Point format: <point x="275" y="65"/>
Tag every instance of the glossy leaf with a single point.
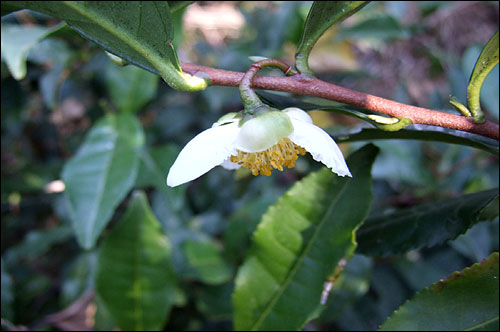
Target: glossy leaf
<point x="424" y="133"/>
<point x="424" y="225"/>
<point x="485" y="63"/>
<point x="101" y="173"/>
<point x="17" y="40"/>
<point x="134" y="277"/>
<point x="130" y="87"/>
<point x="297" y="245"/>
<point x="489" y="90"/>
<point x="464" y="301"/>
<point x="322" y="15"/>
<point x="138" y="31"/>
<point x="206" y="259"/>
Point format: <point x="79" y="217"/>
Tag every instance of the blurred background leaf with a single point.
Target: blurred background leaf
<point x="206" y="260"/>
<point x="16" y="43"/>
<point x="130" y="87"/>
<point x="321" y="17"/>
<point x="101" y="173"/>
<point x="142" y="35"/>
<point x="134" y="276"/>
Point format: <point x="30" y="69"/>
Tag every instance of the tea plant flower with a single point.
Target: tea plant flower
<point x="261" y="143"/>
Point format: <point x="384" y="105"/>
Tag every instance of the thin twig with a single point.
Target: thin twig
<point x="317" y="88"/>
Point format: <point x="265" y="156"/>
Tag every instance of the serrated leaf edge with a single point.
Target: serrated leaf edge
<point x="494" y="257"/>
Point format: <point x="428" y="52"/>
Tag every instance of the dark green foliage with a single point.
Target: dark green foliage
<point x="89" y="224"/>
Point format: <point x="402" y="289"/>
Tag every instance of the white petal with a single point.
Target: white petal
<point x="295" y="113"/>
<point x="228" y="164"/>
<point x="207" y="150"/>
<point x="320" y="145"/>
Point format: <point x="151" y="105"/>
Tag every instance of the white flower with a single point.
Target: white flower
<point x="263" y="143"/>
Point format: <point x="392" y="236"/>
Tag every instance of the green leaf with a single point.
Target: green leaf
<point x="322" y="15"/>
<point x="423" y="133"/>
<point x="490" y="212"/>
<point x="215" y="301"/>
<point x="155" y="165"/>
<point x="378" y="28"/>
<point x="37" y="243"/>
<point x="78" y="278"/>
<point x="489" y="91"/>
<point x="153" y="168"/>
<point x="101" y="173"/>
<point x="242" y="223"/>
<point x="138" y="31"/>
<point x="485" y="63"/>
<point x="297" y="245"/>
<point x="206" y="259"/>
<point x="17" y="40"/>
<point x="424" y="225"/>
<point x="134" y="277"/>
<point x="130" y="87"/>
<point x="464" y="301"/>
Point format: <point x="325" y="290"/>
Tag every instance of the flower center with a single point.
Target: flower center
<point x="284" y="153"/>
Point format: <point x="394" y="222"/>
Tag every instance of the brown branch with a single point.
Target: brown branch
<point x="317" y="88"/>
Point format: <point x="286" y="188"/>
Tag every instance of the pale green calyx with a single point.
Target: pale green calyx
<point x="263" y="131"/>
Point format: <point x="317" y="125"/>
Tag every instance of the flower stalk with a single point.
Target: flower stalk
<point x="250" y="99"/>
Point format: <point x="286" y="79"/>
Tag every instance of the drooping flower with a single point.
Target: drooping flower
<point x="272" y="140"/>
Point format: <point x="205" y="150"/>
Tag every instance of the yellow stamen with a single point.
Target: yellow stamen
<point x="284" y="153"/>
